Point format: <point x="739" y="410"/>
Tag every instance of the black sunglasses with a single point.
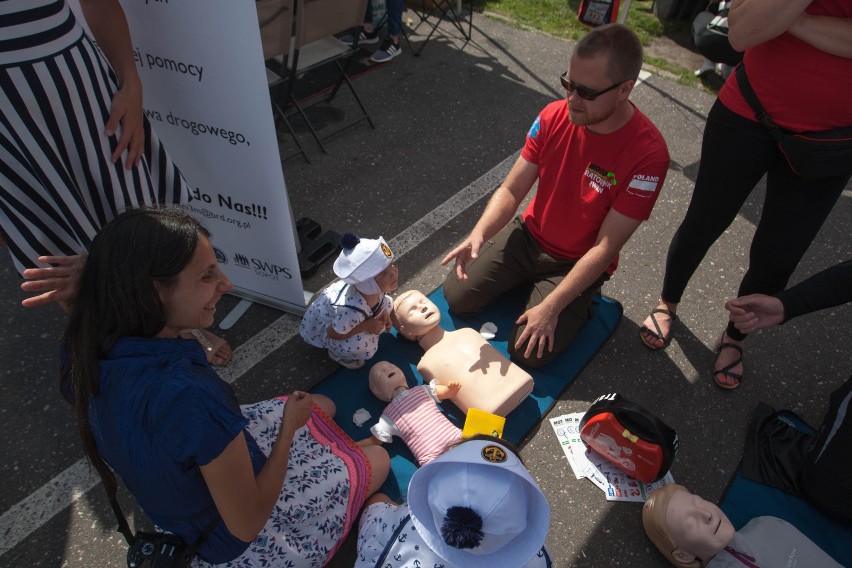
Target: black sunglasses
<point x="584" y="92"/>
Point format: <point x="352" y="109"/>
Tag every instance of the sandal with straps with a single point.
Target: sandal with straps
<point x="658" y="334"/>
<point x="726" y="370"/>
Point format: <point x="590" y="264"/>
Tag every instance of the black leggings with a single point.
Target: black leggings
<point x="735" y="154"/>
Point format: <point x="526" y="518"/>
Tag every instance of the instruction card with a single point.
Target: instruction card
<point x="587" y="463"/>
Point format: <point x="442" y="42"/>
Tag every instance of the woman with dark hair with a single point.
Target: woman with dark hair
<point x="284" y="481"/>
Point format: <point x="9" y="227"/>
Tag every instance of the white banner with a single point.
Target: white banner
<point x="206" y="95"/>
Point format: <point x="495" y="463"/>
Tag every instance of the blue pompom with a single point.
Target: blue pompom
<point x="349" y="241"/>
<point x="462" y="528"/>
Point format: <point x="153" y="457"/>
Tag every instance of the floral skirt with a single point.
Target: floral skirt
<point x="324" y="489"/>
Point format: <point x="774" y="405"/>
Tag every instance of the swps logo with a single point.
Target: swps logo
<point x="262" y="267"/>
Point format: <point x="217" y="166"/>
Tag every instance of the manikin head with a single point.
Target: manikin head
<point x="685" y="528"/>
<point x="386" y="380"/>
<point x="414" y="315"/>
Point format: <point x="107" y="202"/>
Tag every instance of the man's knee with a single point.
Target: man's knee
<point x="459" y="296"/>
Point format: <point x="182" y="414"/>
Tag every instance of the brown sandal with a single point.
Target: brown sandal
<point x="726" y="370"/>
<point x="658" y="334"/>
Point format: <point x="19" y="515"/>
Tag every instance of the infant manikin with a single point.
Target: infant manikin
<point x="412" y="414"/>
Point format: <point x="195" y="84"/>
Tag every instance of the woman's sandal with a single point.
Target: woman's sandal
<point x="726" y="370"/>
<point x="217" y="349"/>
<point x="658" y="334"/>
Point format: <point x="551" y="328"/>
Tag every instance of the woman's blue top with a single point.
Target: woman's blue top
<point x="160" y="414"/>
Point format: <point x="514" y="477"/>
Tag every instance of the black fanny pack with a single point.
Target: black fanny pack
<point x="812" y="155"/>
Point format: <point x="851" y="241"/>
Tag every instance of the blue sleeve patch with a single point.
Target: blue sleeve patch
<point x="535" y="127"/>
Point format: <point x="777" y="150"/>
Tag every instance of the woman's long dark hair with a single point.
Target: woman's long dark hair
<point x="117" y="298"/>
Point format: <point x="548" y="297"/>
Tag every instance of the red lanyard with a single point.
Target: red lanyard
<point x="742" y="557"/>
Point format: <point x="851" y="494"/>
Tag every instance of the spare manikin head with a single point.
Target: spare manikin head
<point x="414" y="314"/>
<point x="685" y="528"/>
<point x="386" y="379"/>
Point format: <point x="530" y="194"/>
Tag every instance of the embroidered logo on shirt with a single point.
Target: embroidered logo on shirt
<point x="534" y="128"/>
<point x="643" y="186"/>
<point x="599" y="178"/>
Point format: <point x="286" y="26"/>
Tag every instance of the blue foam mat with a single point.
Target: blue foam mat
<point x="745" y="499"/>
<point x="350" y="391"/>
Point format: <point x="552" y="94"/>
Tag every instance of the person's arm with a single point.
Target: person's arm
<point x="500" y="209"/>
<point x="826" y="289"/>
<point x="831" y="35"/>
<point x="541" y="320"/>
<point x="108" y="25"/>
<point x="374" y="325"/>
<point x="243" y="500"/>
<point x="59" y="283"/>
<point x="751" y="22"/>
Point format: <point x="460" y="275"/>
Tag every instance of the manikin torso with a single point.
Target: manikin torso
<point x="490" y="382"/>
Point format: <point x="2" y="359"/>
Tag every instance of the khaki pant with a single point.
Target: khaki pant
<point x="512" y="259"/>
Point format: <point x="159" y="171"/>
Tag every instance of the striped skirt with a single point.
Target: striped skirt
<point x="58" y="185"/>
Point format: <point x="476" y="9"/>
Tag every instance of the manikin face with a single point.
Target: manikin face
<point x="591" y="73"/>
<point x="416" y="313"/>
<point x="699" y="528"/>
<point x="191" y="303"/>
<point x="385" y="379"/>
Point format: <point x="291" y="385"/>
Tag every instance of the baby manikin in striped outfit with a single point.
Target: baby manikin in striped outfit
<point x="412" y="414"/>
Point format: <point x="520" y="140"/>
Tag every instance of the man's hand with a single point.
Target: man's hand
<point x="60" y="283"/>
<point x="463" y="254"/>
<point x="126" y="111"/>
<point x="540" y="327"/>
<point x="755" y="311"/>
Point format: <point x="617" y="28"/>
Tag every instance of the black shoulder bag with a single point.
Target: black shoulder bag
<point x="811" y="155"/>
<point x="154" y="550"/>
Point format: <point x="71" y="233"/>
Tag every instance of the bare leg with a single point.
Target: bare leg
<point x="379" y="465"/>
<point x="325" y="403"/>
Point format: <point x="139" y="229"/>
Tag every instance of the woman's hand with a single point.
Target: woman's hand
<point x="297" y="411"/>
<point x="59" y="283"/>
<point x="126" y="112"/>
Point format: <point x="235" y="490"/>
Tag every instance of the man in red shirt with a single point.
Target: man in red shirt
<point x="600" y="164"/>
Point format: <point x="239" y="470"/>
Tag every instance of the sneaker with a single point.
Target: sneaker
<point x="364" y="38"/>
<point x="348" y="363"/>
<point x="386" y="52"/>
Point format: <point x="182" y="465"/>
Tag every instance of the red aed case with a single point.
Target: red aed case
<point x="598" y="12"/>
<point x="628" y="436"/>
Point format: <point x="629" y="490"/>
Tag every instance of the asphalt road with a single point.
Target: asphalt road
<point x="448" y="125"/>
